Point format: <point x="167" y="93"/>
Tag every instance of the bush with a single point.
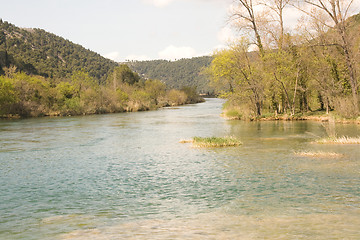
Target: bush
<point x="72" y="106"/>
<point x="176" y="97"/>
<point x="7" y="95"/>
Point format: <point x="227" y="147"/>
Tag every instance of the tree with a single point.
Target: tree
<point x="233" y="67"/>
<point x="155" y="88"/>
<point x="245" y="18"/>
<point x="337" y="12"/>
<point x="7" y="94"/>
<point x="277" y="7"/>
<point x="122" y="74"/>
<point x="82" y="81"/>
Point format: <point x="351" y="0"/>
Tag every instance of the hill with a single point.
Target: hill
<point x="35" y="51"/>
<point x="42" y="74"/>
<point x="176" y="74"/>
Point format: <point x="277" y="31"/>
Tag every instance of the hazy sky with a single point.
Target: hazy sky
<point x="130" y="29"/>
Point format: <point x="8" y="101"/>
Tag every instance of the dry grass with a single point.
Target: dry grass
<point x="339" y="140"/>
<point x="319" y="154"/>
<point x="210" y="142"/>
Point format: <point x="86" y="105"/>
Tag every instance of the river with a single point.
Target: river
<point x="126" y="176"/>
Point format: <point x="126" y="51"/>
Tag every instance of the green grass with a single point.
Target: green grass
<point x="339" y="140"/>
<point x="233" y="114"/>
<point x="209" y="142"/>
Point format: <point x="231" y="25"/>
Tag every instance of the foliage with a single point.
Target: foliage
<point x="122" y="74"/>
<point x="291" y="74"/>
<point x="7" y="94"/>
<point x="31" y="96"/>
<point x="176" y="97"/>
<point x="176" y="74"/>
<point x="44" y="75"/>
<point x="35" y="51"/>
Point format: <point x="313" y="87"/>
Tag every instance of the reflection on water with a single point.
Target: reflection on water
<point x="126" y="176"/>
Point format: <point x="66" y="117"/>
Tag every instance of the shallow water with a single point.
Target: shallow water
<point x="126" y="176"/>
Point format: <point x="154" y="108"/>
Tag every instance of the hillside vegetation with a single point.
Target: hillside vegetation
<point x="177" y="74"/>
<point x="42" y="74"/>
<point x="35" y="51"/>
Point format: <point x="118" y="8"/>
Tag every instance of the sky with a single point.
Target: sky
<point x="131" y="29"/>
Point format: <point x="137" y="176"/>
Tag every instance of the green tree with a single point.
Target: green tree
<point x="122" y="74"/>
<point x="244" y="77"/>
<point x="7" y="94"/>
<point x="155" y="88"/>
<point x="82" y="81"/>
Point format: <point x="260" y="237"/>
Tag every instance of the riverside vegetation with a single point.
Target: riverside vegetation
<point x="23" y="95"/>
<point x="42" y="74"/>
<point x="294" y="73"/>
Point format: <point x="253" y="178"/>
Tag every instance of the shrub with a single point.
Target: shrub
<point x="176" y="97"/>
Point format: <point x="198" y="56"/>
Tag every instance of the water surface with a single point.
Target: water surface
<point x="126" y="176"/>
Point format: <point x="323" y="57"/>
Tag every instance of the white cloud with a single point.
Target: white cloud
<point x="134" y="57"/>
<point x="226" y="35"/>
<point x="172" y="53"/>
<point x="163" y="3"/>
<point x="158" y="3"/>
<point x="113" y="56"/>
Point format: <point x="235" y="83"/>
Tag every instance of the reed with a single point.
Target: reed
<point x="209" y="142"/>
<point x="339" y="140"/>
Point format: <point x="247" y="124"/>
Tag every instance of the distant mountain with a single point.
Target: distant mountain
<point x="35" y="51"/>
<point x="176" y="74"/>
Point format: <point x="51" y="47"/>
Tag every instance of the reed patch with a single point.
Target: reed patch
<point x="211" y="142"/>
<point x="339" y="140"/>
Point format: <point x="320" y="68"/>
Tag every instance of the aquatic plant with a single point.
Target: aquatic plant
<point x="209" y="142"/>
<point x="339" y="140"/>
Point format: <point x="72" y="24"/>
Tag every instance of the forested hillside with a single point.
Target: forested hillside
<point x="35" y="51"/>
<point x="176" y="74"/>
<point x="42" y="74"/>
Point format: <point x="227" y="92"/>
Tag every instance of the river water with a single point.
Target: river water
<point x="126" y="176"/>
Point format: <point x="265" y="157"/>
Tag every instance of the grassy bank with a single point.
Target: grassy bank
<point x="321" y="116"/>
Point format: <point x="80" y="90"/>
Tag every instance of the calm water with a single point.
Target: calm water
<point x="126" y="176"/>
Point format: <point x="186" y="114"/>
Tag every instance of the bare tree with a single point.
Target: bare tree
<point x="337" y="12"/>
<point x="245" y="16"/>
<point x="277" y="7"/>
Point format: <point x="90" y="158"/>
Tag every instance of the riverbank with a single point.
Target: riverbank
<point x="322" y="118"/>
<point x="133" y="107"/>
<point x="311" y="116"/>
<point x="25" y="96"/>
